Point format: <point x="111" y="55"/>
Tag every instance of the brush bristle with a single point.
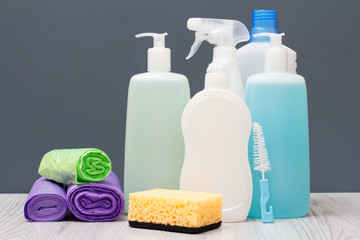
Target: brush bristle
<point x="261" y="160"/>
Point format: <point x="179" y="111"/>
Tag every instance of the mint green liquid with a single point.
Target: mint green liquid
<point x="154" y="145"/>
<point x="281" y="109"/>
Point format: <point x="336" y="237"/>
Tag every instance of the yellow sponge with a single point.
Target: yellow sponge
<point x="175" y="210"/>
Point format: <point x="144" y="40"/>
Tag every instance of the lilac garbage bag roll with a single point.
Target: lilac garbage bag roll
<point x="96" y="202"/>
<point x="46" y="202"/>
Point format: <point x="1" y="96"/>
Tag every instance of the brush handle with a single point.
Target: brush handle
<point x="267" y="217"/>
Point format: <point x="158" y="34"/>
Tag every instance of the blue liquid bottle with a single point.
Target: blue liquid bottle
<point x="278" y="101"/>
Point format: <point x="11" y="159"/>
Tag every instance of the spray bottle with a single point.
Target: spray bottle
<point x="224" y="34"/>
<point x="216" y="124"/>
<point x="278" y="100"/>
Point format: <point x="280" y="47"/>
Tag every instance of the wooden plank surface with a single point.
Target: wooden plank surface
<point x="332" y="216"/>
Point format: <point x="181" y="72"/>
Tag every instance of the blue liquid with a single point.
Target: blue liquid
<point x="281" y="109"/>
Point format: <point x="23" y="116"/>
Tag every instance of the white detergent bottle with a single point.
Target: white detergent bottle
<point x="154" y="145"/>
<point x="251" y="57"/>
<point x="216" y="125"/>
<point x="224" y="34"/>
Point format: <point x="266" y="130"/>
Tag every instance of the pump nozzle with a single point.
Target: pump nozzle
<point x="158" y="56"/>
<point x="276" y="56"/>
<point x="159" y="38"/>
<point x="221" y="32"/>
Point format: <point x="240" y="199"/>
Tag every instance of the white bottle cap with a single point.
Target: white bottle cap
<point x="276" y="58"/>
<point x="159" y="57"/>
<point x="216" y="77"/>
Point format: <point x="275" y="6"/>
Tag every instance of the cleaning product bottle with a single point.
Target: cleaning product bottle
<point x="154" y="145"/>
<point x="224" y="34"/>
<point x="277" y="100"/>
<point x="216" y="125"/>
<point x="251" y="57"/>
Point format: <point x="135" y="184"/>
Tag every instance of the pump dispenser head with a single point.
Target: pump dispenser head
<point x="158" y="56"/>
<point x="276" y="56"/>
<point x="221" y="32"/>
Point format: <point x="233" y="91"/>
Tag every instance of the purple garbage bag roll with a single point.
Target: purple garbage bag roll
<point x="96" y="202"/>
<point x="46" y="202"/>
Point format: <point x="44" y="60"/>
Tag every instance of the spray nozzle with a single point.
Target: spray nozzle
<point x="159" y="38"/>
<point x="276" y="56"/>
<point x="221" y="32"/>
<point x="158" y="56"/>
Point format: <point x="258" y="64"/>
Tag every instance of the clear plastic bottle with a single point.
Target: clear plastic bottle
<point x="278" y="101"/>
<point x="154" y="145"/>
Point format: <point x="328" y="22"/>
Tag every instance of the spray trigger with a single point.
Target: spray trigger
<point x="199" y="38"/>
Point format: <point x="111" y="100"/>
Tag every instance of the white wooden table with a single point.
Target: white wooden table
<point x="332" y="216"/>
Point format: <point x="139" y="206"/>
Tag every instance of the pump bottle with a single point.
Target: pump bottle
<point x="277" y="100"/>
<point x="224" y="34"/>
<point x="216" y="125"/>
<point x="251" y="57"/>
<point x="154" y="146"/>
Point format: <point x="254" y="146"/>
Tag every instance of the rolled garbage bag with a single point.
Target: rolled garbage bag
<point x="96" y="202"/>
<point x="75" y="166"/>
<point x="46" y="202"/>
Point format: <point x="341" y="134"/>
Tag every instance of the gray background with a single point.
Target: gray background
<point x="65" y="68"/>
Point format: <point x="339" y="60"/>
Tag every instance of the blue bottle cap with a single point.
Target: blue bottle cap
<point x="263" y="21"/>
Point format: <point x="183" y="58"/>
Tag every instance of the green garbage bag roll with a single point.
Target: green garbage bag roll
<point x="75" y="166"/>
